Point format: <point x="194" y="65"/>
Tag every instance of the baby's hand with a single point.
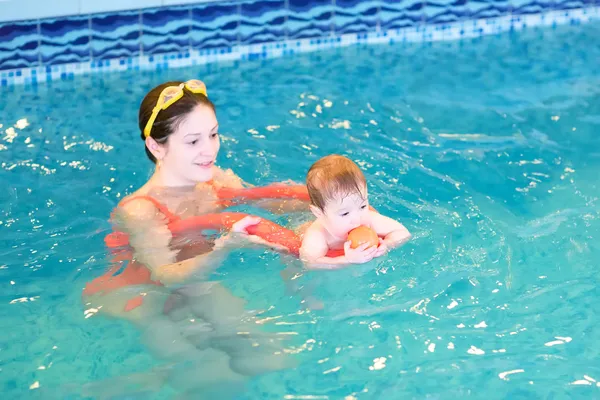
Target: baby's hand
<point x="359" y="255"/>
<point x="382" y="249"/>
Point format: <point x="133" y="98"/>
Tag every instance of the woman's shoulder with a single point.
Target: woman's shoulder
<point x="226" y="178"/>
<point x="138" y="205"/>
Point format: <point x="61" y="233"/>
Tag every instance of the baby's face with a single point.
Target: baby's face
<point x="345" y="213"/>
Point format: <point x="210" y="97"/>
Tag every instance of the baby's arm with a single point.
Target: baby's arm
<point x="313" y="252"/>
<point x="393" y="232"/>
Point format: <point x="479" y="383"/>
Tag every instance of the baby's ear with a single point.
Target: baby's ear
<point x="317" y="212"/>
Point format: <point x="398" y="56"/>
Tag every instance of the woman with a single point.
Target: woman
<point x="181" y="134"/>
<point x="180" y="131"/>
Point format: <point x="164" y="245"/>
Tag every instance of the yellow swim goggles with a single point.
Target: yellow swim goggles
<point x="170" y="95"/>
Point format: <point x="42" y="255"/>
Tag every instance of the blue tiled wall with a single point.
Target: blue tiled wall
<point x="20" y="44"/>
<point x="262" y="21"/>
<point x="64" y="40"/>
<point x="115" y="35"/>
<point x="165" y="30"/>
<point x="309" y="18"/>
<point x="180" y="28"/>
<point x="214" y="25"/>
<point x="396" y="14"/>
<point x="354" y="16"/>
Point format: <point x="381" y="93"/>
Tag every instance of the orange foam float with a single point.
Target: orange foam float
<point x="265" y="229"/>
<point x="363" y="234"/>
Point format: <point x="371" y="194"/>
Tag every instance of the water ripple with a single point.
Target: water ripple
<point x="487" y="154"/>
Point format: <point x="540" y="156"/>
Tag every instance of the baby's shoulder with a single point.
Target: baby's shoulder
<point x="315" y="231"/>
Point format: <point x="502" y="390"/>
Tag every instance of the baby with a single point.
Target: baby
<point x="338" y="199"/>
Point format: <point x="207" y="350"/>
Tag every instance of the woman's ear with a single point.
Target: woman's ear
<point x="158" y="150"/>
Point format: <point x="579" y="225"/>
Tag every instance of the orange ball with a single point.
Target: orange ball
<point x="363" y="234"/>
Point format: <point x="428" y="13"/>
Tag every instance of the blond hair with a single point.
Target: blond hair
<point x="333" y="176"/>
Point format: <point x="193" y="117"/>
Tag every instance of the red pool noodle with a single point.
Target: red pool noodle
<point x="265" y="229"/>
<point x="277" y="191"/>
<point x="135" y="273"/>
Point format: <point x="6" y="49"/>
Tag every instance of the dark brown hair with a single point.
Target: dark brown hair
<point x="333" y="176"/>
<point x="166" y="121"/>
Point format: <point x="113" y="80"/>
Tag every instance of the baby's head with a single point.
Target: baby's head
<point x="338" y="194"/>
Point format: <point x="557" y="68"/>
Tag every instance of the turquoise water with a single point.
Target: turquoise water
<point x="486" y="150"/>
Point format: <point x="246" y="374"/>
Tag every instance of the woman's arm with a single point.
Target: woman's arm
<point x="150" y="238"/>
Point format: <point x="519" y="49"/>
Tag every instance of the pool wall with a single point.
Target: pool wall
<point x="170" y="36"/>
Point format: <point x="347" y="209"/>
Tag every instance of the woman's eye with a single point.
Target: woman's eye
<point x="214" y="135"/>
<point x="363" y="207"/>
<point x="193" y="142"/>
<point x="345" y="214"/>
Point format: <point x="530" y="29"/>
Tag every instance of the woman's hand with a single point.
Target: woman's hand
<point x="242" y="225"/>
<point x="241" y="228"/>
<point x="239" y="237"/>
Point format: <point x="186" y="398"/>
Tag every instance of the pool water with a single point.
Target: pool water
<point x="487" y="150"/>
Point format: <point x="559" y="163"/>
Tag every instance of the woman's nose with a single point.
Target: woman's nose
<point x="207" y="150"/>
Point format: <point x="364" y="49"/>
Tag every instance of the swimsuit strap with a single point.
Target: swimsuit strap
<point x="161" y="207"/>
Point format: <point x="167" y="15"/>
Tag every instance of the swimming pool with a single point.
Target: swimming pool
<point x="485" y="149"/>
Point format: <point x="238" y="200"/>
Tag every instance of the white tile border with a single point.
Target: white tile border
<point x="423" y="33"/>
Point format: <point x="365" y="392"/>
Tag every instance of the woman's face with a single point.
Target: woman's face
<point x="191" y="151"/>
